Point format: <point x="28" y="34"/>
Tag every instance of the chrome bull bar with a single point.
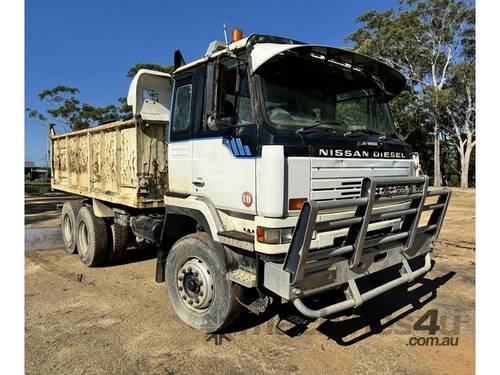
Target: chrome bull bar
<point x="300" y="263"/>
<point x="355" y="299"/>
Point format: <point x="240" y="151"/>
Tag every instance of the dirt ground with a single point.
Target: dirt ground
<point x="117" y="320"/>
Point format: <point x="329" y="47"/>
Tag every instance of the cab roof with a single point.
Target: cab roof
<point x="264" y="48"/>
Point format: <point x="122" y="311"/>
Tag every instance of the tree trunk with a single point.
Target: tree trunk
<point x="464" y="175"/>
<point x="464" y="164"/>
<point x="437" y="156"/>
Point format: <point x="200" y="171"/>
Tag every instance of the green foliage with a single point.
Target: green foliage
<point x="66" y="110"/>
<point x="432" y="42"/>
<point x="158" y="67"/>
<point x="420" y="37"/>
<point x="454" y="180"/>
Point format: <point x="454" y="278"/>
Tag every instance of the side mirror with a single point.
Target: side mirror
<point x="213" y="121"/>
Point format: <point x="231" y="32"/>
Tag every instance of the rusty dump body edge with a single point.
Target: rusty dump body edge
<point x="123" y="162"/>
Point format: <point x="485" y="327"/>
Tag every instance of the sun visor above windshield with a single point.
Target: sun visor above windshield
<point x="392" y="80"/>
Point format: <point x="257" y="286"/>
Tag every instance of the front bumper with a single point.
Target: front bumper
<point x="305" y="272"/>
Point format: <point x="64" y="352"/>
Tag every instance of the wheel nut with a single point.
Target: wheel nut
<point x="184" y="297"/>
<point x="190" y="269"/>
<point x="180" y="288"/>
<point x="190" y="301"/>
<point x="200" y="282"/>
<point x="201" y="294"/>
<point x="197" y="300"/>
<point x="196" y="273"/>
<point x="183" y="270"/>
<point x="180" y="278"/>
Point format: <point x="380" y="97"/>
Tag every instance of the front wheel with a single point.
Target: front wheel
<point x="200" y="294"/>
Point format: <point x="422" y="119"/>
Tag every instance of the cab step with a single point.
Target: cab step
<point x="243" y="277"/>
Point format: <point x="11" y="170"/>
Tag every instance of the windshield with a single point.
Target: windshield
<point x="302" y="91"/>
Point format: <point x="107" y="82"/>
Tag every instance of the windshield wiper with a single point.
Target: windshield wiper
<point x="310" y="128"/>
<point x="362" y="131"/>
<point x="389" y="136"/>
<point x="381" y="136"/>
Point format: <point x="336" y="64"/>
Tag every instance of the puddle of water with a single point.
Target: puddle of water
<point x="42" y="239"/>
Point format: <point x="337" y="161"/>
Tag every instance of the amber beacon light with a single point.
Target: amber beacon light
<point x="236" y="35"/>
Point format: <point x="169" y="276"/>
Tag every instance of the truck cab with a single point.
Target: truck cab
<point x="264" y="124"/>
<point x="291" y="151"/>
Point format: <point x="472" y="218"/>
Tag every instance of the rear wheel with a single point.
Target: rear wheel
<point x="92" y="238"/>
<point x="68" y="224"/>
<point x="119" y="241"/>
<point x="200" y="294"/>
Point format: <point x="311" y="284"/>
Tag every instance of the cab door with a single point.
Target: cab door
<point x="224" y="155"/>
<point x="180" y="144"/>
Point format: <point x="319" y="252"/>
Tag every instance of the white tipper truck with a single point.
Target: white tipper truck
<point x="267" y="169"/>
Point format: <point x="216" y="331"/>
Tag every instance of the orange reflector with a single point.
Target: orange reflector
<point x="260" y="234"/>
<point x="296" y="203"/>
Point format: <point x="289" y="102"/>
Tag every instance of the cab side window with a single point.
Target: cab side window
<point x="182" y="108"/>
<point x="235" y="107"/>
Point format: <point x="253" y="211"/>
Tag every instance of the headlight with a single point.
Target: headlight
<point x="274" y="235"/>
<point x="286" y="235"/>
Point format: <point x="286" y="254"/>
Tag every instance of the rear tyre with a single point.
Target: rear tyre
<point x="68" y="224"/>
<point x="119" y="241"/>
<point x="200" y="294"/>
<point x="91" y="237"/>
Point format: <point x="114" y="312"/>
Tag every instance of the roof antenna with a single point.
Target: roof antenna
<point x="225" y="33"/>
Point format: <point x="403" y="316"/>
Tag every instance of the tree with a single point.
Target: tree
<point x="423" y="39"/>
<point x="66" y="110"/>
<point x="158" y="67"/>
<point x="458" y="103"/>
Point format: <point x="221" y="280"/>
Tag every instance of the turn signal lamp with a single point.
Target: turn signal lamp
<point x="296" y="203"/>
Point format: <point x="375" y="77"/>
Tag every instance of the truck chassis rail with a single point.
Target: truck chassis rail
<point x="308" y="271"/>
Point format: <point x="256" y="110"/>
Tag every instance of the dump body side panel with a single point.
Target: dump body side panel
<point x="123" y="162"/>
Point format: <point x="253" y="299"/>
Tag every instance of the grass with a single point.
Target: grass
<point x="36" y="188"/>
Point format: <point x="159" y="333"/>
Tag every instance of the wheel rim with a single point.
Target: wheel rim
<point x="195" y="285"/>
<point x="83" y="238"/>
<point x="67" y="230"/>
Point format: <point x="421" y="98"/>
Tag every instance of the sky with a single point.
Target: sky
<point x="92" y="44"/>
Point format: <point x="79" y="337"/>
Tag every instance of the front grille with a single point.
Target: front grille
<point x="334" y="179"/>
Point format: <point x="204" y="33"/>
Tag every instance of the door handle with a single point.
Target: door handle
<point x="199" y="182"/>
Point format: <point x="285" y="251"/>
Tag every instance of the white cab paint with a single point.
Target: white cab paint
<point x="225" y="177"/>
<point x="271" y="181"/>
<point x="298" y="180"/>
<point x="179" y="167"/>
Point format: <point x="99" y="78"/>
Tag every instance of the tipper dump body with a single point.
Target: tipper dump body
<point x="123" y="162"/>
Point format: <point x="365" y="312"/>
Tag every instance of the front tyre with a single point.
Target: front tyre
<point x="197" y="286"/>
